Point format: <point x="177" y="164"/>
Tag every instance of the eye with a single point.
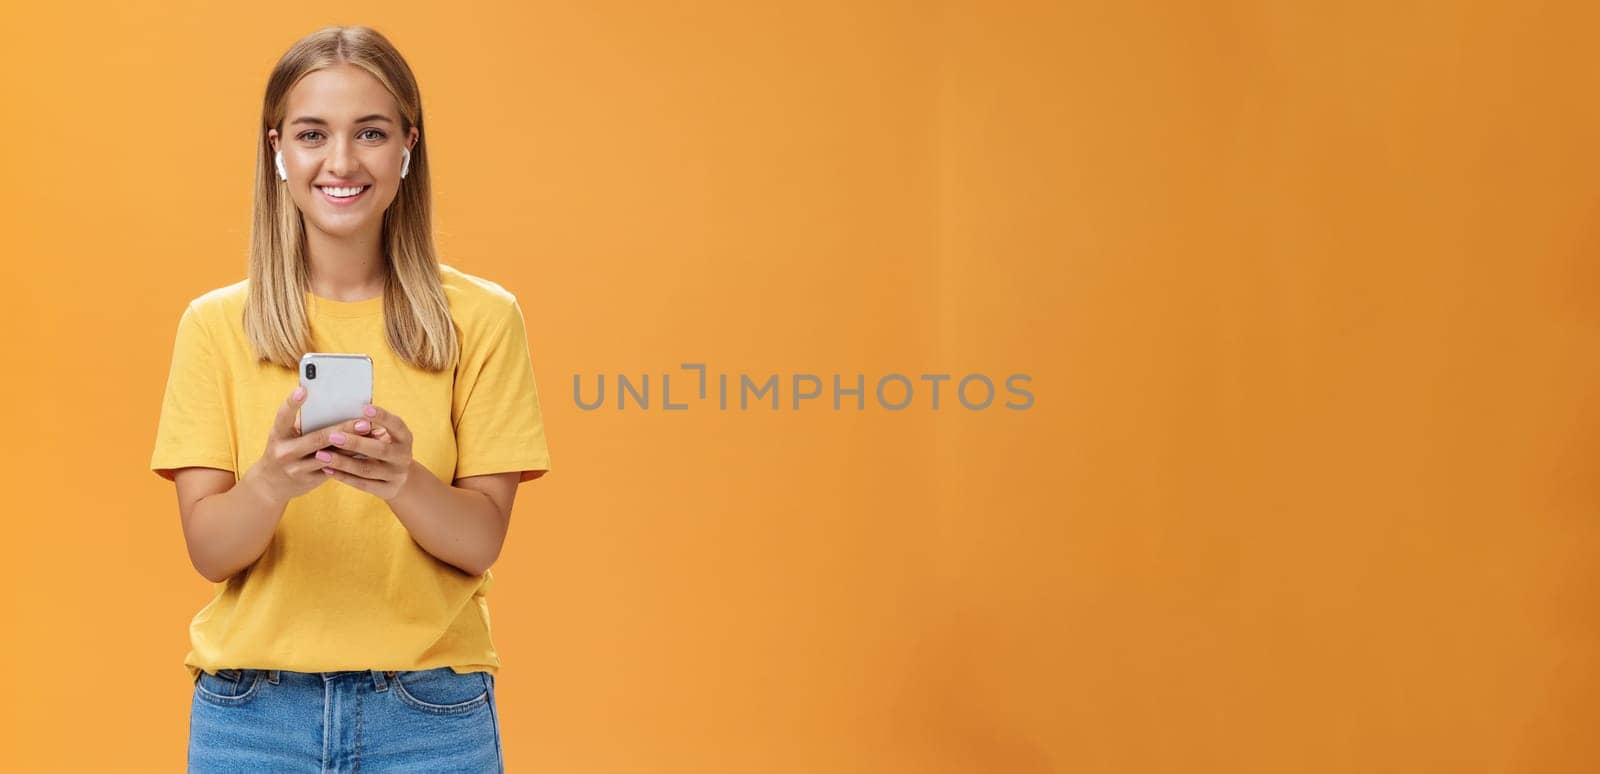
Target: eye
<point x="307" y="136"/>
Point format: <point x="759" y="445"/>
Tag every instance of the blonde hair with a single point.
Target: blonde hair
<point x="416" y="315"/>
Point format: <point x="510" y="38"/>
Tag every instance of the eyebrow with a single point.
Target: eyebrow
<point x="361" y="120"/>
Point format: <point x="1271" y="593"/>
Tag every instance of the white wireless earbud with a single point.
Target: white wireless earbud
<point x="283" y="174"/>
<point x="405" y="161"/>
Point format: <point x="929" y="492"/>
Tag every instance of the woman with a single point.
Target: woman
<point x="350" y="626"/>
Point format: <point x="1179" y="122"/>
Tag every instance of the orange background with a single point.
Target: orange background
<point x="1306" y="291"/>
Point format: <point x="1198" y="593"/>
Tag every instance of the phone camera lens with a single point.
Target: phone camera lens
<point x="311" y="370"/>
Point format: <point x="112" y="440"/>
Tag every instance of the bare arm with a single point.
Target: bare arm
<point x="226" y="525"/>
<point x="463" y="525"/>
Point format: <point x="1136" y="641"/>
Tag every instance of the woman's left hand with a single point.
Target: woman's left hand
<point x="388" y="455"/>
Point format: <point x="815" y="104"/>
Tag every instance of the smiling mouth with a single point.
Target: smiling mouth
<point x="343" y="199"/>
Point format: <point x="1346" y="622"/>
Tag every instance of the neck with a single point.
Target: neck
<point x="346" y="268"/>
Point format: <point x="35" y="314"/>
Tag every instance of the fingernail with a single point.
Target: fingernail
<point x="324" y="456"/>
<point x="299" y="392"/>
<point x="361" y="426"/>
<point x="371" y="412"/>
<point x="337" y="438"/>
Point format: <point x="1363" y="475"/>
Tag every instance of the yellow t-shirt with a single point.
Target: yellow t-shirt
<point x="342" y="585"/>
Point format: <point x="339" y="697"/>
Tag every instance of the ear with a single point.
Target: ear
<point x="272" y="137"/>
<point x="411" y="142"/>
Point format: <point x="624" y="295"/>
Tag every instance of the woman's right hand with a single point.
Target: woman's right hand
<point x="289" y="467"/>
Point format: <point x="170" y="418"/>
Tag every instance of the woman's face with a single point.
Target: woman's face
<point x="342" y="131"/>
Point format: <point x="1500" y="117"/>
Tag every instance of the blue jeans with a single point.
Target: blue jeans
<point x="260" y="720"/>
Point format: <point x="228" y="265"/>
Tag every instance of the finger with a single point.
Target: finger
<point x="313" y="463"/>
<point x="309" y="443"/>
<point x="359" y="444"/>
<point x="373" y="469"/>
<point x="358" y="482"/>
<point x="361" y="428"/>
<point x="378" y="433"/>
<point x="287" y="422"/>
<point x="395" y="424"/>
<point x="304" y="468"/>
<point x="381" y="433"/>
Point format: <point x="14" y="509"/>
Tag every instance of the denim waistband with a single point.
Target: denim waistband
<point x="380" y="678"/>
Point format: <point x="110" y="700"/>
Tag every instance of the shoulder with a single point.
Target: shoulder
<point x="218" y="306"/>
<point x="475" y="302"/>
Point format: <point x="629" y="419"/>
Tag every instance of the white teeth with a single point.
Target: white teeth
<point x="342" y="193"/>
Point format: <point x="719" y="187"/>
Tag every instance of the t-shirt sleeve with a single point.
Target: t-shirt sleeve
<point x="193" y="428"/>
<point x="499" y="427"/>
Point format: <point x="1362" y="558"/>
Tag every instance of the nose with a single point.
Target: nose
<point x="341" y="160"/>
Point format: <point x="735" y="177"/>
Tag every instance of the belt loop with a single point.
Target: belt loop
<point x="272" y="676"/>
<point x="378" y="683"/>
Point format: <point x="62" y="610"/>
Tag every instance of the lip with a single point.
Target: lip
<point x="347" y="201"/>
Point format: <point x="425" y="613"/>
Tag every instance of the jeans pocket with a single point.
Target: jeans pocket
<point x="441" y="691"/>
<point x="229" y="687"/>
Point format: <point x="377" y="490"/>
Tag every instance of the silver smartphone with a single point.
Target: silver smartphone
<point x="337" y="386"/>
